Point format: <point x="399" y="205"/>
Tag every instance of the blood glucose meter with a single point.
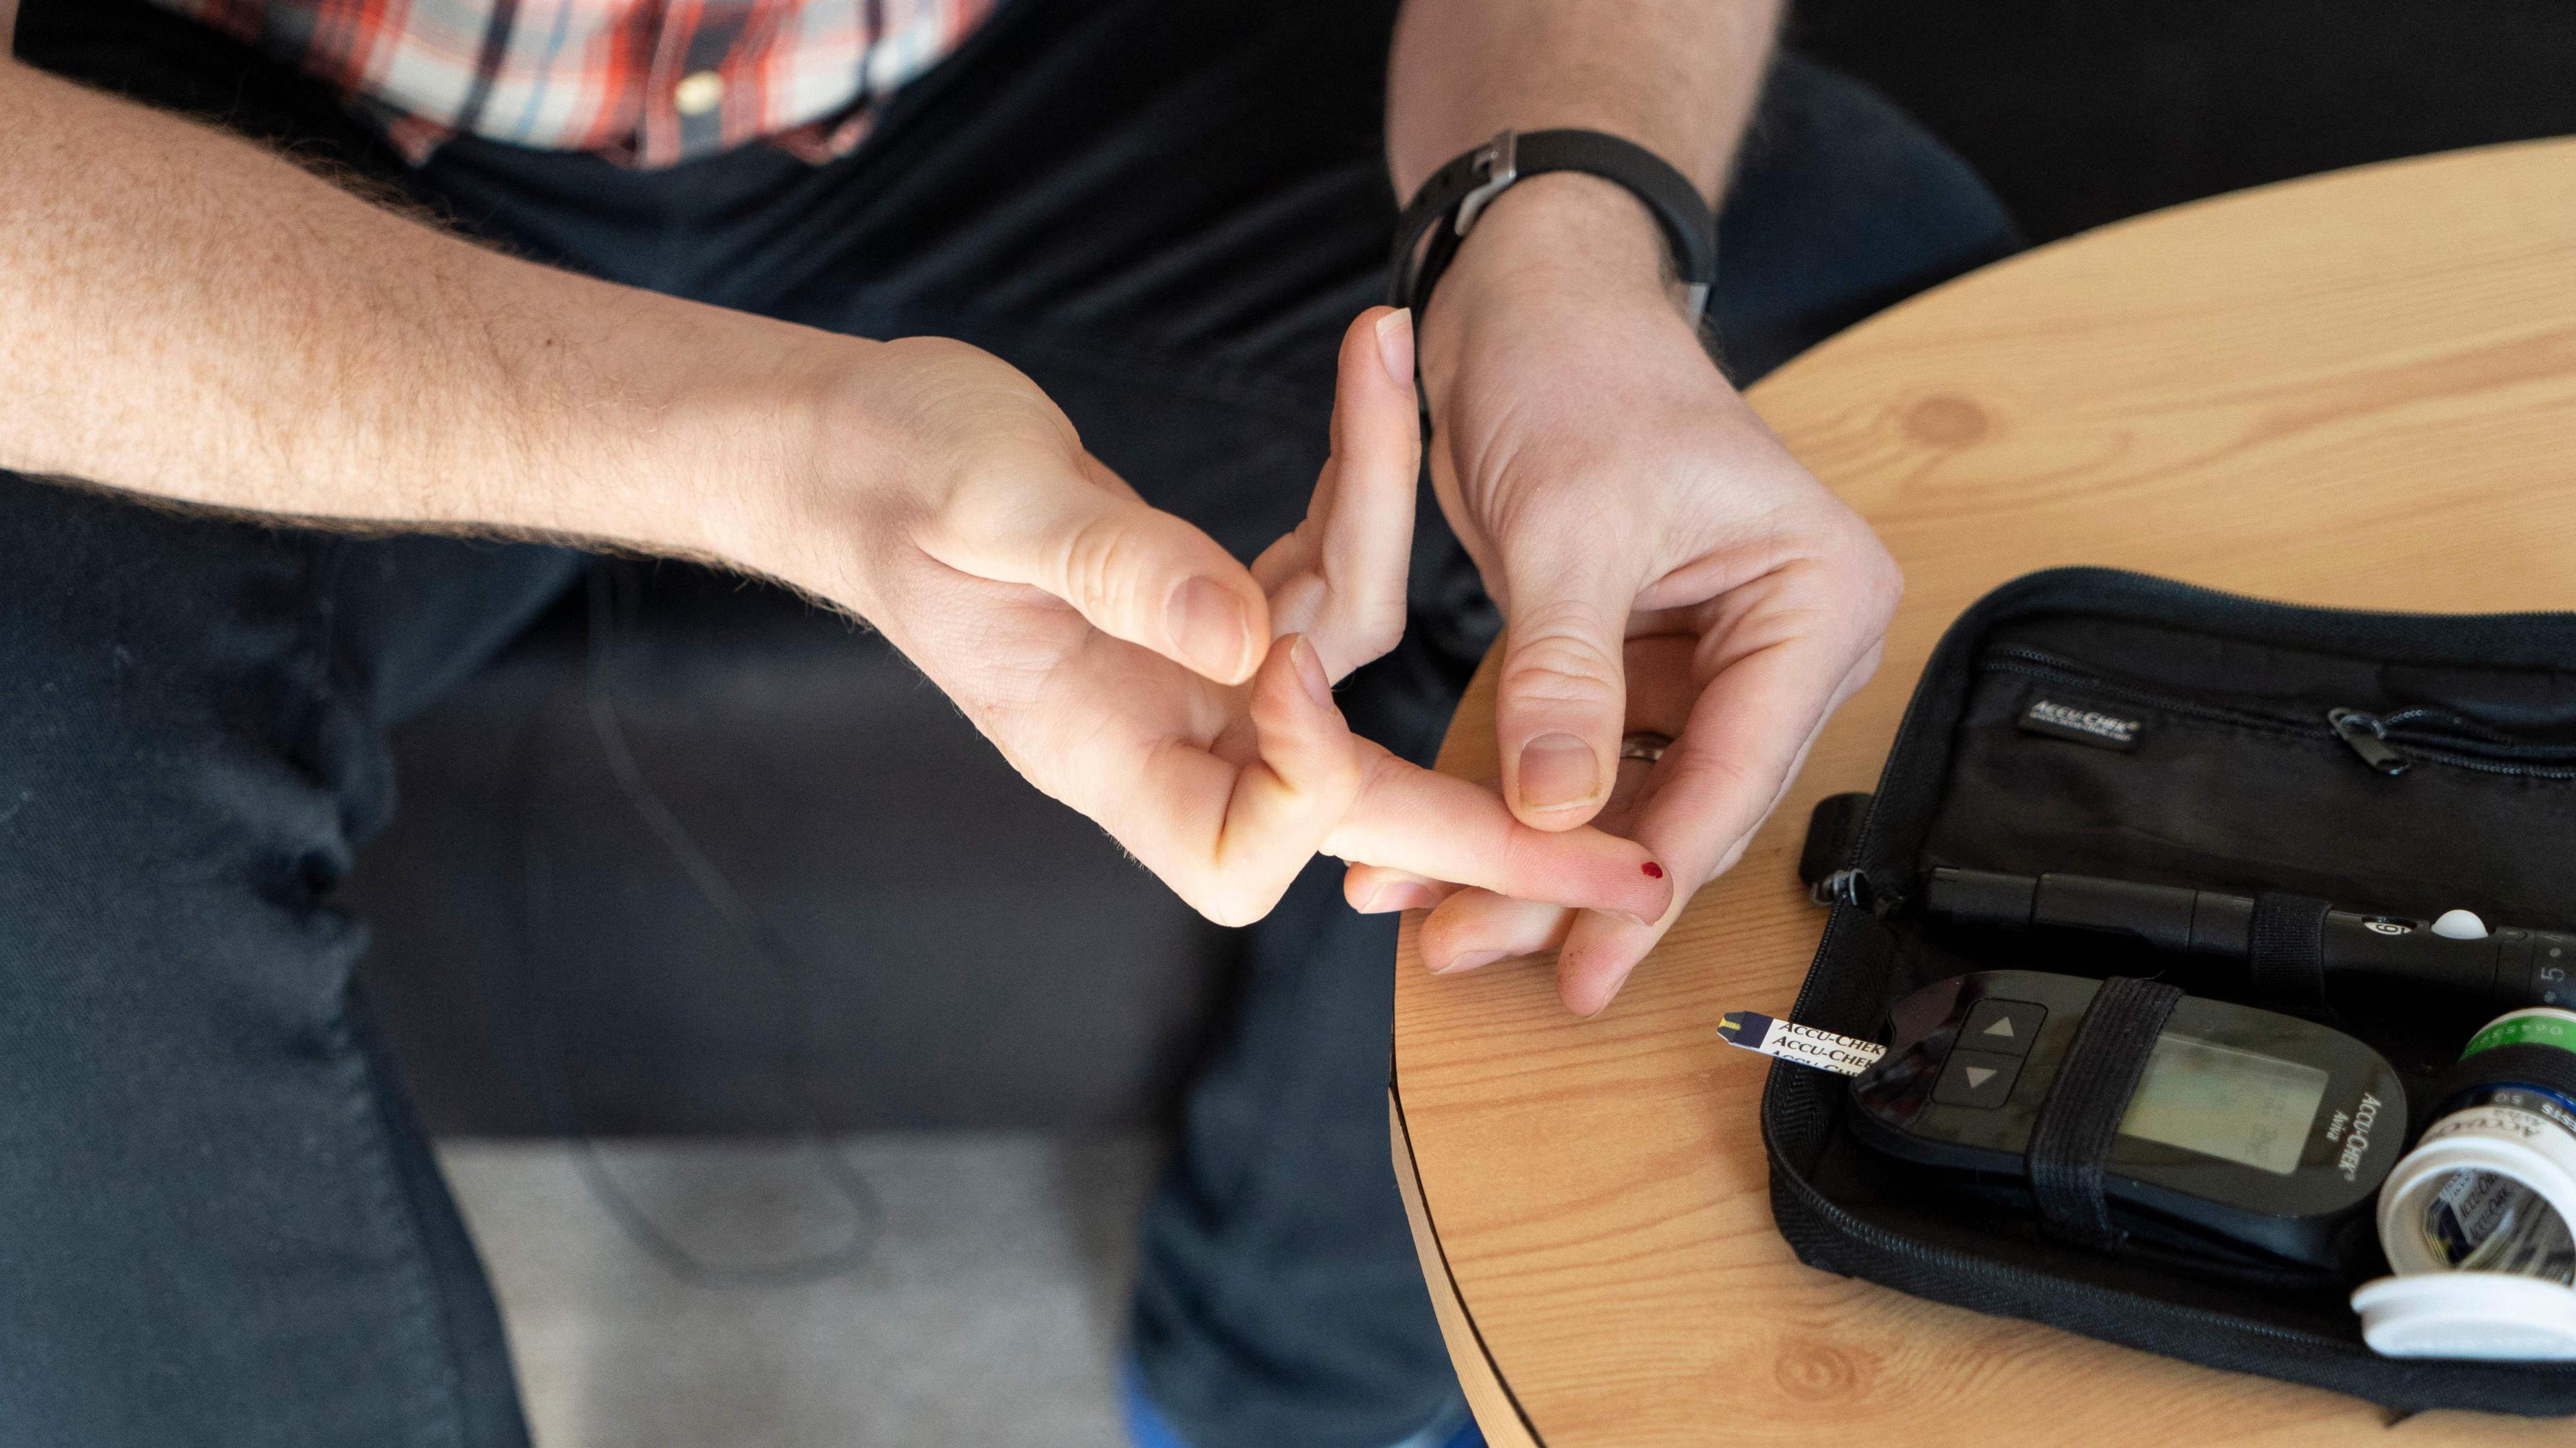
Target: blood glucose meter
<point x="2247" y="1129"/>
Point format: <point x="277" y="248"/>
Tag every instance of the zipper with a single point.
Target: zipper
<point x="2426" y="734"/>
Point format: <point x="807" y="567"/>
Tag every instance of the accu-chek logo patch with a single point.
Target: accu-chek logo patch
<point x="2061" y="720"/>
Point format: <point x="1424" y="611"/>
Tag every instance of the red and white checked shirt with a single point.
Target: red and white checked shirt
<point x="646" y="82"/>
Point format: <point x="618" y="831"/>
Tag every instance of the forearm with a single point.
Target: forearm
<point x="1678" y="77"/>
<point x="186" y="315"/>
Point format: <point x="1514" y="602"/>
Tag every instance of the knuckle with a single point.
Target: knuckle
<point x="1512" y="859"/>
<point x="1725" y="776"/>
<point x="1376" y="776"/>
<point x="1099" y="566"/>
<point x="1849" y="558"/>
<point x="1733" y="856"/>
<point x="1880" y="583"/>
<point x="1202" y="889"/>
<point x="1233" y="905"/>
<point x="1322" y="786"/>
<point x="1446" y="932"/>
<point x="1575" y="617"/>
<point x="1343" y="783"/>
<point x="1376" y="633"/>
<point x="1558" y="666"/>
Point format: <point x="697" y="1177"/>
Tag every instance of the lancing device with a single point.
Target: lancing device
<point x="2381" y="955"/>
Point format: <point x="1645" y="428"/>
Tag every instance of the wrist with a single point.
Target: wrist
<point x="1564" y="240"/>
<point x="759" y="455"/>
<point x="644" y="422"/>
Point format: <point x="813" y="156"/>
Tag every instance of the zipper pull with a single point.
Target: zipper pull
<point x="1856" y="888"/>
<point x="1842" y="887"/>
<point x="2368" y="738"/>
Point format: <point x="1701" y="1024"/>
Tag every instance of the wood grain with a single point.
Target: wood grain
<point x="2354" y="389"/>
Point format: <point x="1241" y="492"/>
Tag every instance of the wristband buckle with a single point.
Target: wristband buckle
<point x="1438" y="218"/>
<point x="1498" y="161"/>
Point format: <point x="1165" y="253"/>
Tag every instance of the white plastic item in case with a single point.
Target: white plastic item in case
<point x="2491" y="1315"/>
<point x="2476" y="1222"/>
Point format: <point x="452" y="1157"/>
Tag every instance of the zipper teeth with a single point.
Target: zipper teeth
<point x="2446" y="747"/>
<point x="2458" y="760"/>
<point x="2444" y="721"/>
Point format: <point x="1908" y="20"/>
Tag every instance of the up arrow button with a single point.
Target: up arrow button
<point x="2006" y="1026"/>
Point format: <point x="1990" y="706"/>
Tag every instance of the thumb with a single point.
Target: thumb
<point x="1134" y="571"/>
<point x="1562" y="701"/>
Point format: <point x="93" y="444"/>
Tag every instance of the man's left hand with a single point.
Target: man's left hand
<point x="1663" y="566"/>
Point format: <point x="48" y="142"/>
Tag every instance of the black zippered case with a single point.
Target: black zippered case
<point x="2388" y="762"/>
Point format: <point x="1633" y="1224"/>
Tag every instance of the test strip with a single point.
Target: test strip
<point x="1805" y="1045"/>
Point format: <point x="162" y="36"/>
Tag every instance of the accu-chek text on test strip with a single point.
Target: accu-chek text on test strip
<point x="1805" y="1045"/>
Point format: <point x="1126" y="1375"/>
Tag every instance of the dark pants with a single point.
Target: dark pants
<point x="219" y="1223"/>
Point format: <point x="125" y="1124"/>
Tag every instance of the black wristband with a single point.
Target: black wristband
<point x="1458" y="193"/>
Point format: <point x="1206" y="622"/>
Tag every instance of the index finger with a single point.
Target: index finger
<point x="1430" y="824"/>
<point x="1228" y="836"/>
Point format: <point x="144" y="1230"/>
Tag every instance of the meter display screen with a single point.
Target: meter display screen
<point x="2235" y="1105"/>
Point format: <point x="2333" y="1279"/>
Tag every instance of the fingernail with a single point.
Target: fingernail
<point x="1472" y="960"/>
<point x="1402" y="895"/>
<point x="1209" y="628"/>
<point x="1653" y="870"/>
<point x="1310" y="672"/>
<point x="1395" y="346"/>
<point x="1558" y="770"/>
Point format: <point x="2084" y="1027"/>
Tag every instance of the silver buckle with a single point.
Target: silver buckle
<point x="1499" y="164"/>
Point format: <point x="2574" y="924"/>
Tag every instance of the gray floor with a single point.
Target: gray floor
<point x="987" y="1313"/>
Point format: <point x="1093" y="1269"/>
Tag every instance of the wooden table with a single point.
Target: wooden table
<point x="2354" y="389"/>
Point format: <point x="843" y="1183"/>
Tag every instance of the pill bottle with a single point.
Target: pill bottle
<point x="2476" y="1219"/>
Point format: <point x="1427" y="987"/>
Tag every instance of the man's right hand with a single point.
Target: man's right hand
<point x="1124" y="662"/>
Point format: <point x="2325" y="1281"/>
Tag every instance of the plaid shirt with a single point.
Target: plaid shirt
<point x="645" y="82"/>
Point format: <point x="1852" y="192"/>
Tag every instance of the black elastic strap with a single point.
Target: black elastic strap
<point x="2286" y="946"/>
<point x="2070" y="1142"/>
<point x="1689" y="226"/>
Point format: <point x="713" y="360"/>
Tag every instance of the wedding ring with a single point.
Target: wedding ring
<point x="1645" y="744"/>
